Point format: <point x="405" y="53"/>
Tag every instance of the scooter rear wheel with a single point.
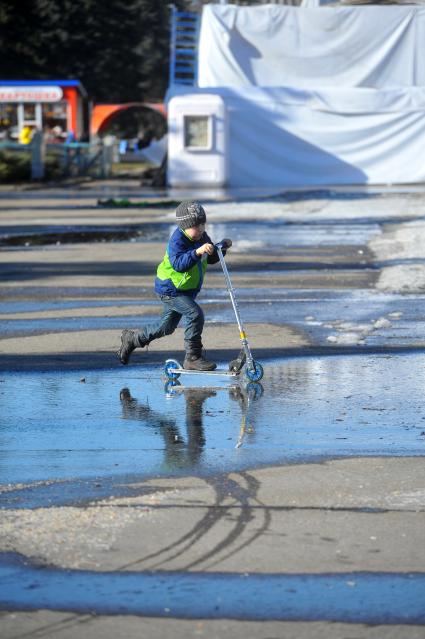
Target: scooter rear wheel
<point x="256" y="373"/>
<point x="169" y="365"/>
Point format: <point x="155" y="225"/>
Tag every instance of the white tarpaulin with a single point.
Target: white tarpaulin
<point x="278" y="140"/>
<point x="318" y="96"/>
<point x="275" y="46"/>
<point x="292" y="137"/>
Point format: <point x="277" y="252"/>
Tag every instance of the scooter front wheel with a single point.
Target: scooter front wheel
<point x="169" y="369"/>
<point x="255" y="373"/>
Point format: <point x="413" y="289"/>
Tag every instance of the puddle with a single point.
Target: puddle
<point x="38" y="326"/>
<point x="372" y="319"/>
<point x="264" y="235"/>
<point x="378" y="319"/>
<point x="123" y="422"/>
<point x="373" y="598"/>
<point x="46" y="235"/>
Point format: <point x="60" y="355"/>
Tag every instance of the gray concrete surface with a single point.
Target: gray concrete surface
<point x="310" y="296"/>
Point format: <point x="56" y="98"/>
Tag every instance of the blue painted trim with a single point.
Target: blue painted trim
<point x="37" y="83"/>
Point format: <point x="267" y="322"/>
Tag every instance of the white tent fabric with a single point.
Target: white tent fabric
<point x="318" y="96"/>
<point x="276" y="142"/>
<point x="276" y="45"/>
<point x="290" y="137"/>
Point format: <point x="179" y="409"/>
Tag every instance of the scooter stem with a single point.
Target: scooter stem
<point x="231" y="291"/>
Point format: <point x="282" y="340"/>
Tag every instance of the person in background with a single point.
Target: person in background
<point x="25" y="134"/>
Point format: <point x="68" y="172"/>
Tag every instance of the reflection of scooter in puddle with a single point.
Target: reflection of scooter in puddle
<point x="178" y="452"/>
<point x="244" y="395"/>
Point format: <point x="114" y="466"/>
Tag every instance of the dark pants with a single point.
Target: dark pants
<point x="174" y="309"/>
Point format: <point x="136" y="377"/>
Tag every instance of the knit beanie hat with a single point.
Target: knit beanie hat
<point x="189" y="214"/>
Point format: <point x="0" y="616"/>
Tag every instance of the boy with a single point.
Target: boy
<point x="178" y="281"/>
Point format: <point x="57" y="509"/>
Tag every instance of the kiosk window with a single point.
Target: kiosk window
<point x="29" y="113"/>
<point x="197" y="131"/>
<point x="55" y="119"/>
<point x="8" y="121"/>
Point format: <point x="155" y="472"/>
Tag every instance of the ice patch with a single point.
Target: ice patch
<point x="247" y="245"/>
<point x="351" y="333"/>
<point x="382" y="322"/>
<point x="404" y="278"/>
<point x="379" y="207"/>
<point x="406" y="241"/>
<point x="414" y="499"/>
<point x="346" y="339"/>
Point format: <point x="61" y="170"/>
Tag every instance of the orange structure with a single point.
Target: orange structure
<point x="103" y="113"/>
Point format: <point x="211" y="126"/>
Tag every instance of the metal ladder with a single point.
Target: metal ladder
<point x="184" y="47"/>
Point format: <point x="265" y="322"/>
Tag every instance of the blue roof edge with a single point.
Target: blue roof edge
<point x="38" y="83"/>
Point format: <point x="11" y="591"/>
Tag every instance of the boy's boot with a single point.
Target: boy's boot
<point x="194" y="360"/>
<point x="129" y="341"/>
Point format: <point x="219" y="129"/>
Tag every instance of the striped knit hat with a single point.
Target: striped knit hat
<point x="190" y="214"/>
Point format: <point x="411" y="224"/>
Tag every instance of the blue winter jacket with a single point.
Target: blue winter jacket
<point x="181" y="272"/>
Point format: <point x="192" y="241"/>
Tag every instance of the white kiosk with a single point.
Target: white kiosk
<point x="197" y="141"/>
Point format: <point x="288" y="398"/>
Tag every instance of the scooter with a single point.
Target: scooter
<point x="253" y="370"/>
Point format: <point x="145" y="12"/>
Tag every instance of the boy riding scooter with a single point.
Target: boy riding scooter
<point x="179" y="279"/>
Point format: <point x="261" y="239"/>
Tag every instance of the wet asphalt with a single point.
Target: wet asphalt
<point x="302" y="493"/>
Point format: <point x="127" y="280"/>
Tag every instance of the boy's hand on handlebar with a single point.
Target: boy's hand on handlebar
<point x="226" y="243"/>
<point x="205" y="248"/>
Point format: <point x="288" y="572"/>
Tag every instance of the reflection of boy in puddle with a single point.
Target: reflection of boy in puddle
<point x="178" y="453"/>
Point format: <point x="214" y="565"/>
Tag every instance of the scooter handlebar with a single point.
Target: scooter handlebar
<point x="223" y="245"/>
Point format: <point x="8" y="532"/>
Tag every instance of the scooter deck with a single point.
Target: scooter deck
<point x="219" y="373"/>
